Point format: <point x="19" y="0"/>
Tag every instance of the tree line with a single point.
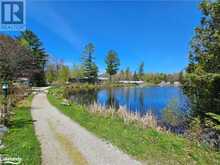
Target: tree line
<point x="25" y="56"/>
<point x="22" y="56"/>
<point x="87" y="70"/>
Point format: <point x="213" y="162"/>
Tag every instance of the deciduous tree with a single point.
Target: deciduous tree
<point x="15" y="59"/>
<point x="63" y="74"/>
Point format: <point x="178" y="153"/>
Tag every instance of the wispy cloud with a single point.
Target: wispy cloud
<point x="54" y="22"/>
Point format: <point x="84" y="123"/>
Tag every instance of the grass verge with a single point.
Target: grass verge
<point x="21" y="140"/>
<point x="144" y="144"/>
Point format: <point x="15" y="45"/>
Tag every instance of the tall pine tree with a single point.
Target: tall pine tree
<point x="39" y="56"/>
<point x="112" y="62"/>
<point x="90" y="70"/>
<point x="141" y="71"/>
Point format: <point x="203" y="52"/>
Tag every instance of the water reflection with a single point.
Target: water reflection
<point x="137" y="99"/>
<point x="85" y="98"/>
<point x="111" y="100"/>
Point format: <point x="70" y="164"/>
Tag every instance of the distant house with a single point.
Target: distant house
<point x="177" y="83"/>
<point x="163" y="83"/>
<point x="131" y="82"/>
<point x="85" y="79"/>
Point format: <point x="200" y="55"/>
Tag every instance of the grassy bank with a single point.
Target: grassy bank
<point x="144" y="144"/>
<point x="21" y="140"/>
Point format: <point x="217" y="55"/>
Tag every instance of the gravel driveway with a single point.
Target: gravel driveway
<point x="64" y="142"/>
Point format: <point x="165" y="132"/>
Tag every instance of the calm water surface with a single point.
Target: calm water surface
<point x="137" y="99"/>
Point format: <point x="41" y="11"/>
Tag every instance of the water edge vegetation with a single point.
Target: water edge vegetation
<point x="147" y="145"/>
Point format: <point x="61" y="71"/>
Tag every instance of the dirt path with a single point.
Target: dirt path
<point x="65" y="142"/>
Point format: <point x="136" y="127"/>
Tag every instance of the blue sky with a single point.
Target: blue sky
<point x="155" y="32"/>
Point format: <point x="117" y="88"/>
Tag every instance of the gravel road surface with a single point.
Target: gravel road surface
<point x="65" y="142"/>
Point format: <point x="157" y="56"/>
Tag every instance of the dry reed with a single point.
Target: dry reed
<point x="146" y="121"/>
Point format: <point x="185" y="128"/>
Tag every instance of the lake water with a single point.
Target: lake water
<point x="138" y="99"/>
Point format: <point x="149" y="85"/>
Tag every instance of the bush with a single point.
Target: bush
<point x="204" y="92"/>
<point x="172" y="115"/>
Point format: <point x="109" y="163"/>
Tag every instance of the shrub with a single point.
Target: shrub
<point x="204" y="92"/>
<point x="172" y="115"/>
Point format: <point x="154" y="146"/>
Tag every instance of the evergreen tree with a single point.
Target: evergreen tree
<point x="39" y="56"/>
<point x="90" y="70"/>
<point x="204" y="54"/>
<point x="181" y="77"/>
<point x="141" y="71"/>
<point x="135" y="76"/>
<point x="77" y="72"/>
<point x="121" y="76"/>
<point x="203" y="72"/>
<point x="112" y="62"/>
<point x="127" y="73"/>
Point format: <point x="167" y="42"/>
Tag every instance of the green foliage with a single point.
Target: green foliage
<point x="195" y="129"/>
<point x="32" y="42"/>
<point x="51" y="73"/>
<point x="57" y="92"/>
<point x="150" y="78"/>
<point x="203" y="78"/>
<point x="214" y="116"/>
<point x="172" y="114"/>
<point x="90" y="70"/>
<point x="155" y="78"/>
<point x="205" y="47"/>
<point x="141" y="71"/>
<point x="21" y="140"/>
<point x="39" y="56"/>
<point x="112" y="62"/>
<point x="57" y="72"/>
<point x="128" y="74"/>
<point x="216" y="122"/>
<point x="78" y="88"/>
<point x="145" y="144"/>
<point x="63" y="74"/>
<point x="1" y="99"/>
<point x="77" y="72"/>
<point x="135" y="76"/>
<point x="204" y="92"/>
<point x="181" y="77"/>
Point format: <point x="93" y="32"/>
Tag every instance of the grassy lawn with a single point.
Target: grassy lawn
<point x="144" y="144"/>
<point x="21" y="140"/>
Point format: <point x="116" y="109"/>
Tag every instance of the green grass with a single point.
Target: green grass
<point x="146" y="145"/>
<point x="21" y="140"/>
